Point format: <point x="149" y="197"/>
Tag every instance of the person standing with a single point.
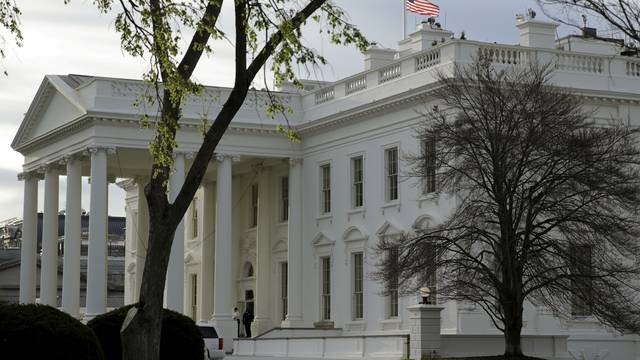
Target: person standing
<point x="247" y="319"/>
<point x="236" y="317"/>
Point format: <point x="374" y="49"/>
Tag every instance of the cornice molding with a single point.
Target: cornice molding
<point x="24" y="144"/>
<point x="42" y="97"/>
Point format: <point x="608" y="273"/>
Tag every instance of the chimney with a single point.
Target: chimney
<point x="536" y="33"/>
<point x="376" y="57"/>
<point x="589" y="32"/>
<point x="428" y="34"/>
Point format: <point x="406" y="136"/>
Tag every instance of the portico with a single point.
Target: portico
<point x="208" y="252"/>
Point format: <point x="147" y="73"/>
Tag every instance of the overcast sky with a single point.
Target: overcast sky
<point x="77" y="39"/>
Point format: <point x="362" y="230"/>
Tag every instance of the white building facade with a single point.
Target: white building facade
<point x="288" y="229"/>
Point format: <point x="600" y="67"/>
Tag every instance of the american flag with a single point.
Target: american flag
<point x="423" y="7"/>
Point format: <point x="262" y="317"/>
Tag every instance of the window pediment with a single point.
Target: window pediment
<point x="353" y="234"/>
<point x="422" y="223"/>
<point x="389" y="229"/>
<point x="322" y="240"/>
<point x="280" y="246"/>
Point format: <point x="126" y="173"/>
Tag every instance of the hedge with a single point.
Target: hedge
<point x="43" y="332"/>
<point x="180" y="339"/>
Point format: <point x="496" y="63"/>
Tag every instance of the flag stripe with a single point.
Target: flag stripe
<point x="423" y="7"/>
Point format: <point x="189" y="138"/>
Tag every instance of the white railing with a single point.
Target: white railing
<point x="633" y="68"/>
<point x="324" y="95"/>
<point x="389" y="73"/>
<point x="356" y="84"/>
<point x="463" y="52"/>
<point x="581" y="63"/>
<point x="504" y="55"/>
<point x="427" y="60"/>
<point x="391" y="346"/>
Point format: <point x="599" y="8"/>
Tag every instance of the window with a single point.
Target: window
<point x="284" y="268"/>
<point x="254" y="205"/>
<point x="325" y="188"/>
<point x="581" y="264"/>
<point x="194" y="218"/>
<point x="392" y="286"/>
<point x="325" y="300"/>
<point x="391" y="168"/>
<point x="284" y="198"/>
<point x="357" y="295"/>
<point x="194" y="296"/>
<point x="429" y="156"/>
<point x="357" y="182"/>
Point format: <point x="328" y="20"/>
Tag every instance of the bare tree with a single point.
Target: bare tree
<point x="264" y="30"/>
<point x="623" y="15"/>
<point x="544" y="202"/>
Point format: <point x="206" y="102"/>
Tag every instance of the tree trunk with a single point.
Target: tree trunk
<point x="512" y="341"/>
<point x="141" y="330"/>
<point x="513" y="328"/>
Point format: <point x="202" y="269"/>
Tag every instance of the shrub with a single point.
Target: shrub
<point x="43" y="332"/>
<point x="180" y="339"/>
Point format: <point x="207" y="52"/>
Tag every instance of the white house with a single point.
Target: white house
<point x="288" y="228"/>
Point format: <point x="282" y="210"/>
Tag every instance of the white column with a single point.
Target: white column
<point x="263" y="256"/>
<point x="141" y="235"/>
<point x="223" y="295"/>
<point x="174" y="289"/>
<point x="294" y="254"/>
<point x="72" y="233"/>
<point x="206" y="215"/>
<point x="29" y="240"/>
<point x="129" y="244"/>
<point x="97" y="261"/>
<point x="49" y="259"/>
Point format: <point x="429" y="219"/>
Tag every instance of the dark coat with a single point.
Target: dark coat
<point x="247" y="318"/>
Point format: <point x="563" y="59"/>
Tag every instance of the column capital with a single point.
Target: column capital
<point x="28" y="175"/>
<point x="51" y="166"/>
<point x="187" y="154"/>
<point x="295" y="161"/>
<point x="110" y="150"/>
<point x="72" y="157"/>
<point x="222" y="156"/>
<point x="127" y="185"/>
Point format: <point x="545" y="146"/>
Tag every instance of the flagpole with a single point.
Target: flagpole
<point x="404" y="21"/>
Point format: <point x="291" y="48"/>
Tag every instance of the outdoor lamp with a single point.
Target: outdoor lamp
<point x="424" y="293"/>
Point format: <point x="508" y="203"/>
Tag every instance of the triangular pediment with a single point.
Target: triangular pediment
<point x="389" y="229"/>
<point x="55" y="105"/>
<point x="322" y="240"/>
<point x="280" y="246"/>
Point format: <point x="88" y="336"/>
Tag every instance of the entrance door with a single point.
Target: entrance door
<point x="248" y="300"/>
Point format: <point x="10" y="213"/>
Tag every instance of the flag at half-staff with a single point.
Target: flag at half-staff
<point x="422" y="7"/>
